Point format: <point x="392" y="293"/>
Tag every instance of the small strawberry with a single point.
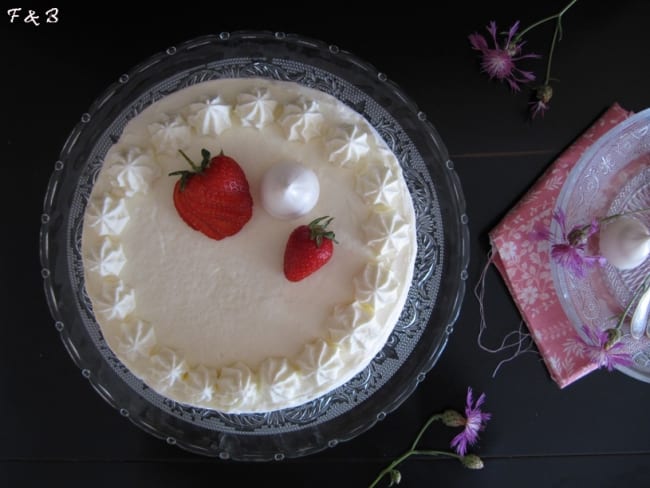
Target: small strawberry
<point x="309" y="247"/>
<point x="213" y="197"/>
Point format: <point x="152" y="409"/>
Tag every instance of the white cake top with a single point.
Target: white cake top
<point x="216" y="324"/>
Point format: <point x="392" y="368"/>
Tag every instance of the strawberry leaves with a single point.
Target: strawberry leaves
<point x="186" y="174"/>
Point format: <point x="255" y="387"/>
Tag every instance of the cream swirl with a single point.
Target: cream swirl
<point x="353" y="326"/>
<point x="378" y="185"/>
<point x="170" y="134"/>
<point x="347" y="145"/>
<point x="279" y="380"/>
<point x="132" y="172"/>
<point x="114" y="301"/>
<point x="302" y="120"/>
<point x="201" y="382"/>
<point x="387" y="233"/>
<point x="236" y="387"/>
<point x="256" y="109"/>
<point x="168" y="369"/>
<point x="376" y="286"/>
<point x="107" y="216"/>
<point x="210" y="117"/>
<point x="321" y="362"/>
<point x="106" y="259"/>
<point x="136" y="340"/>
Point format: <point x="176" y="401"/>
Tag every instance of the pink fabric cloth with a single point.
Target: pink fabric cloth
<point x="525" y="267"/>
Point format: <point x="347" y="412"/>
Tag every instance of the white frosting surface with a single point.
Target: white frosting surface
<point x="215" y="324"/>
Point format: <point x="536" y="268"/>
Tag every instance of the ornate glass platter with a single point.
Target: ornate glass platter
<point x="611" y="177"/>
<point x="441" y="264"/>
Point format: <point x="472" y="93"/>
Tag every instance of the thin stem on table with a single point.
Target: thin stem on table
<point x="405" y="456"/>
<point x="413" y="451"/>
<point x="545" y="19"/>
<point x="551" y="49"/>
<point x="431" y="420"/>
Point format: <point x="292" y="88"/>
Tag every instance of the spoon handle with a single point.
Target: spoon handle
<point x="639" y="323"/>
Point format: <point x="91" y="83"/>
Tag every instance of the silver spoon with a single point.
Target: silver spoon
<point x="639" y="322"/>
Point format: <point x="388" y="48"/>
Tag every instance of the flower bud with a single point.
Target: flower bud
<point x="451" y="418"/>
<point x="472" y="461"/>
<point x="544" y="93"/>
<point x="578" y="236"/>
<point x="613" y="336"/>
<point x="395" y="477"/>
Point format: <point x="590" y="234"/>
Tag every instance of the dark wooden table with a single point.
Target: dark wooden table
<point x="596" y="432"/>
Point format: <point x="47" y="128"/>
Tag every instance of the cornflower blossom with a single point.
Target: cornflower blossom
<point x="500" y="61"/>
<point x="570" y="251"/>
<point x="474" y="422"/>
<point x="603" y="349"/>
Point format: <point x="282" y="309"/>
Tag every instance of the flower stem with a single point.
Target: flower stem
<point x="551" y="50"/>
<point x="556" y="34"/>
<point x="431" y="420"/>
<point x="412" y="451"/>
<point x="405" y="456"/>
<point x="624" y="214"/>
<point x="545" y="19"/>
<point x="604" y="220"/>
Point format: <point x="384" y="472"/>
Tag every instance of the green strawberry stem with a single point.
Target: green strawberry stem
<point x="317" y="230"/>
<point x="187" y="158"/>
<point x="196" y="169"/>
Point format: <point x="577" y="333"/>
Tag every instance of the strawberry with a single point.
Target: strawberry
<point x="213" y="197"/>
<point x="309" y="247"/>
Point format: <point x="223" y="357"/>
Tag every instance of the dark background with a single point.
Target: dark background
<point x="596" y="432"/>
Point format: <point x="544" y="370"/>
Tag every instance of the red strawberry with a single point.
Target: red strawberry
<point x="213" y="197"/>
<point x="309" y="247"/>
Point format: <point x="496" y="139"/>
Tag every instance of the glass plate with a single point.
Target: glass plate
<point x="441" y="264"/>
<point x="611" y="177"/>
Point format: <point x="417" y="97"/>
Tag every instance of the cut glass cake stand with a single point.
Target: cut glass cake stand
<point x="441" y="264"/>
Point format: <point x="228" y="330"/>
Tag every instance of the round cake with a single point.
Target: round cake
<point x="215" y="322"/>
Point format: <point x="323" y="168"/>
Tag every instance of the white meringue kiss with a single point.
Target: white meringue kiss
<point x="289" y="190"/>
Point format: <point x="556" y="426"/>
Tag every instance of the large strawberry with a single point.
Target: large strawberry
<point x="213" y="197"/>
<point x="309" y="247"/>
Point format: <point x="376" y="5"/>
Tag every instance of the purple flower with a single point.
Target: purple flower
<point x="499" y="62"/>
<point x="570" y="251"/>
<point x="600" y="350"/>
<point x="538" y="108"/>
<point x="474" y="422"/>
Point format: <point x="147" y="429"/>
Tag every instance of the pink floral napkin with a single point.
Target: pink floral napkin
<point x="524" y="262"/>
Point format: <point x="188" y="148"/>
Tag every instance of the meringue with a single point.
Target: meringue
<point x="289" y="190"/>
<point x="625" y="242"/>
